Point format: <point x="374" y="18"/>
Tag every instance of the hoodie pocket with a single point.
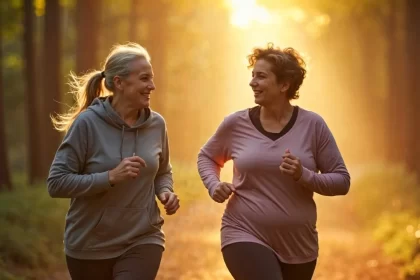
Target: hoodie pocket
<point x="120" y="227"/>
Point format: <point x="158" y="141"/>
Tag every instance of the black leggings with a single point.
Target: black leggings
<point x="139" y="263"/>
<point x="252" y="261"/>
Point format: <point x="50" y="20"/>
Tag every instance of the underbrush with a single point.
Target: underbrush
<point x="32" y="224"/>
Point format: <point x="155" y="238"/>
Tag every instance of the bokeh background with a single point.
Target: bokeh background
<point x="363" y="67"/>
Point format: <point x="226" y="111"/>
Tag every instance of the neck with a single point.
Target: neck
<point x="123" y="109"/>
<point x="277" y="111"/>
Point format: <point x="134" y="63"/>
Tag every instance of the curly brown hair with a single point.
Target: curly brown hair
<point x="286" y="64"/>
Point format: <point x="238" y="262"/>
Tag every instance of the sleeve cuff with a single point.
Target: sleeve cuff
<point x="164" y="189"/>
<point x="306" y="177"/>
<point x="212" y="187"/>
<point x="102" y="180"/>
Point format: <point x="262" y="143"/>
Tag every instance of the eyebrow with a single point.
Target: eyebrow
<point x="259" y="72"/>
<point x="145" y="74"/>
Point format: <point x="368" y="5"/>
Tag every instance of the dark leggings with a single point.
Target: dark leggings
<point x="252" y="261"/>
<point x="139" y="263"/>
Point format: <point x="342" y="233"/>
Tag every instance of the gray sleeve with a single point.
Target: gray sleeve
<point x="163" y="179"/>
<point x="65" y="179"/>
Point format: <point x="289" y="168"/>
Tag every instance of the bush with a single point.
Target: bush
<point x="32" y="223"/>
<point x="375" y="190"/>
<point x="386" y="201"/>
<point x="400" y="235"/>
<point x="383" y="189"/>
<point x="383" y="201"/>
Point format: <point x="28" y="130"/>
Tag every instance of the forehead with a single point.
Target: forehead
<point x="141" y="65"/>
<point x="262" y="65"/>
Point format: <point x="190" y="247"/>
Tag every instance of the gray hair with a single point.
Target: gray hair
<point x="89" y="86"/>
<point x="119" y="59"/>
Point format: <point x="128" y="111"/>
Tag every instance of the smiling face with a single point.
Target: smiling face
<point x="267" y="89"/>
<point x="138" y="85"/>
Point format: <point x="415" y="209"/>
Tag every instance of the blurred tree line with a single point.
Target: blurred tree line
<point x="42" y="41"/>
<point x="385" y="91"/>
<point x="372" y="45"/>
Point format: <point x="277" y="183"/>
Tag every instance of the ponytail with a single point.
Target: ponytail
<point x="90" y="86"/>
<point x="84" y="90"/>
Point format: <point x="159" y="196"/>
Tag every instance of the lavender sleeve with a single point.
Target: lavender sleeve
<point x="333" y="179"/>
<point x="213" y="155"/>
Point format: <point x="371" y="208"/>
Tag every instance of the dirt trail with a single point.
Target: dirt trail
<point x="193" y="251"/>
<point x="195" y="254"/>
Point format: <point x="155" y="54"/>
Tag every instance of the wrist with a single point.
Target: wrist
<point x="111" y="177"/>
<point x="164" y="190"/>
<point x="298" y="175"/>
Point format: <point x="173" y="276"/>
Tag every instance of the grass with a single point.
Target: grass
<point x="383" y="201"/>
<point x="32" y="224"/>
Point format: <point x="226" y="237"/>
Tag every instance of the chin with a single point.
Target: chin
<point x="143" y="105"/>
<point x="258" y="101"/>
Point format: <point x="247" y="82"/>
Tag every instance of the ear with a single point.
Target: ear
<point x="118" y="82"/>
<point x="284" y="86"/>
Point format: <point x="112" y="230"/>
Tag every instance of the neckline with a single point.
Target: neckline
<point x="254" y="117"/>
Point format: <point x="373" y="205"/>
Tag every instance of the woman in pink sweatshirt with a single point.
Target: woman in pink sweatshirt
<point x="282" y="154"/>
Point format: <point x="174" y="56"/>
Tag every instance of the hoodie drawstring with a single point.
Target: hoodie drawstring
<point x="135" y="142"/>
<point x="122" y="142"/>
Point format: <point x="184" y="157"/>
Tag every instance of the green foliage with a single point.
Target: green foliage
<point x="4" y="275"/>
<point x="32" y="222"/>
<point x="400" y="235"/>
<point x="384" y="200"/>
<point x="11" y="18"/>
<point x="381" y="190"/>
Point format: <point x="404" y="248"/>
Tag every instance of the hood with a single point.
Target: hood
<point x="103" y="108"/>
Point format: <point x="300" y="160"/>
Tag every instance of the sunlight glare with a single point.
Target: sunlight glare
<point x="297" y="14"/>
<point x="244" y="12"/>
<point x="322" y="20"/>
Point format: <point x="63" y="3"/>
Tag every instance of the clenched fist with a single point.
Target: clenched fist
<point x="223" y="192"/>
<point x="128" y="168"/>
<point x="170" y="201"/>
<point x="291" y="165"/>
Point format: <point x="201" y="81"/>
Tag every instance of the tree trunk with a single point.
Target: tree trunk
<point x="371" y="116"/>
<point x="132" y="28"/>
<point x="87" y="21"/>
<point x="33" y="140"/>
<point x="5" y="182"/>
<point x="397" y="94"/>
<point x="413" y="71"/>
<point x="156" y="46"/>
<point x="52" y="87"/>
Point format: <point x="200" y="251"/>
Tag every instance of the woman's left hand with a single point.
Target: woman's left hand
<point x="291" y="165"/>
<point x="170" y="201"/>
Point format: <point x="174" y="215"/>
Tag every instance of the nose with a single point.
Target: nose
<point x="252" y="83"/>
<point x="152" y="86"/>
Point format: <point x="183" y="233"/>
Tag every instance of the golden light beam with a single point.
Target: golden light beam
<point x="244" y="12"/>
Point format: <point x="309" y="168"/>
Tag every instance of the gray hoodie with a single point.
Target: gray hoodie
<point x="104" y="221"/>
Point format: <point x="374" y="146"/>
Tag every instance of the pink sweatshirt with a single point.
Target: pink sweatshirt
<point x="270" y="208"/>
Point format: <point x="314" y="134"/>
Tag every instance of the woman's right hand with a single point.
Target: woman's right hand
<point x="223" y="192"/>
<point x="129" y="168"/>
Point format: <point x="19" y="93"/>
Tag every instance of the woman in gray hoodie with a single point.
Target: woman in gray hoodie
<point x="113" y="161"/>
